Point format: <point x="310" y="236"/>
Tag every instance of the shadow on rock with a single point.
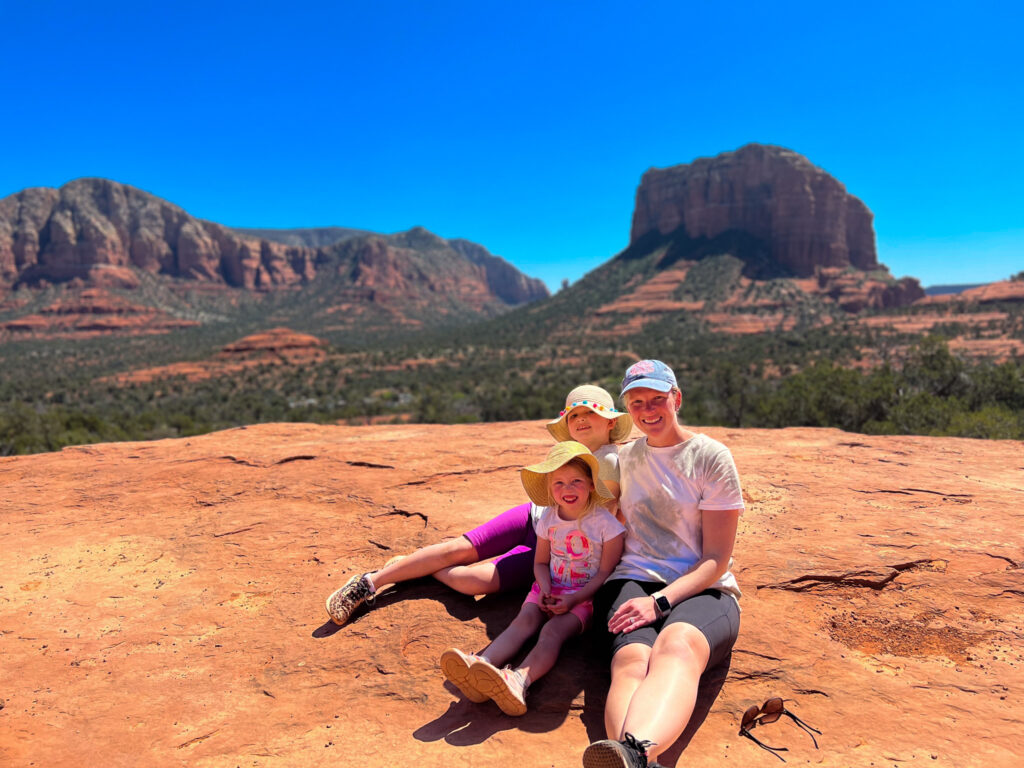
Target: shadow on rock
<point x="326" y="629"/>
<point x="494" y="611"/>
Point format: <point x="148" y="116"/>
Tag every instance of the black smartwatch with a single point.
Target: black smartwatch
<point x="662" y="603"/>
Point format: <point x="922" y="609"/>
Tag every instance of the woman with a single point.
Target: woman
<point x="590" y="418"/>
<point x="671" y="605"/>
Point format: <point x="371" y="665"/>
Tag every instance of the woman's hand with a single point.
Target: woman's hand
<point x="633" y="614"/>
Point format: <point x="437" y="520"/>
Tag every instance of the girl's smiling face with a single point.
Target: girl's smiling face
<point x="589" y="427"/>
<point x="570" y="488"/>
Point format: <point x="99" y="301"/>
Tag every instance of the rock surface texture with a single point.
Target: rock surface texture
<point x="162" y="603"/>
<point x="804" y="215"/>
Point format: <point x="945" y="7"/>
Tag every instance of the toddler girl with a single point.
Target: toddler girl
<point x="578" y="545"/>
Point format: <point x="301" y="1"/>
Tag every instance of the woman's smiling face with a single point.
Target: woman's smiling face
<point x="570" y="488"/>
<point x="654" y="413"/>
<point x="589" y="427"/>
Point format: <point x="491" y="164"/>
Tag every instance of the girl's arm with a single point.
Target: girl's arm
<point x="542" y="567"/>
<point x="613" y="506"/>
<point x="610" y="554"/>
<point x="719" y="537"/>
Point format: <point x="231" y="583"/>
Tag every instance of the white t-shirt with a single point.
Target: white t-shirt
<point x="664" y="493"/>
<point x="576" y="545"/>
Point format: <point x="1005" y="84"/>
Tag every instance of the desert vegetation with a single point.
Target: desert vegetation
<point x="58" y="393"/>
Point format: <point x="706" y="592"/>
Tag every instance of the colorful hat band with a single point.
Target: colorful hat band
<point x="590" y="404"/>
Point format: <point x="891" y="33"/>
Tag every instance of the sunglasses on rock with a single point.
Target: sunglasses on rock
<point x="767" y="713"/>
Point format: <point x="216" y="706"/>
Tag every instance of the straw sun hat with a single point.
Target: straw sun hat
<point x="535" y="477"/>
<point x="600" y="402"/>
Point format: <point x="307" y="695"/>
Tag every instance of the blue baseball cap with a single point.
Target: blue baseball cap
<point x="650" y="374"/>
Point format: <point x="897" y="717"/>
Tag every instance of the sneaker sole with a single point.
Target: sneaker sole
<point x="457" y="672"/>
<point x="488" y="680"/>
<point x="605" y="754"/>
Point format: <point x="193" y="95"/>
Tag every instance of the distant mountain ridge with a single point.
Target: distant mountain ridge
<point x="943" y="290"/>
<point x="307" y="237"/>
<point x="101" y="232"/>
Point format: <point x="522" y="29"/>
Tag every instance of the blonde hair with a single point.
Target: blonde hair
<point x="592" y="498"/>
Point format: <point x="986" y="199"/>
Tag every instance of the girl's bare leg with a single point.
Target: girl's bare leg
<point x="522" y="628"/>
<point x="475" y="579"/>
<point x="662" y="704"/>
<point x="552" y="637"/>
<point x="629" y="668"/>
<point x="426" y="561"/>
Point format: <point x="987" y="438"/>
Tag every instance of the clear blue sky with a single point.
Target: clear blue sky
<point x="525" y="126"/>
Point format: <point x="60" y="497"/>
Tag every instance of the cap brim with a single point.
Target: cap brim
<point x="660" y="386"/>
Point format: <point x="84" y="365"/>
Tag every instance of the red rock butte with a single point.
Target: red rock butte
<point x="162" y="603"/>
<point x="772" y="193"/>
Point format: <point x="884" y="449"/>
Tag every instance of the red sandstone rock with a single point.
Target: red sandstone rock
<point x="104" y="233"/>
<point x="805" y="215"/>
<point x="277" y="341"/>
<point x="86" y="312"/>
<point x="278" y="346"/>
<point x="742" y="323"/>
<point x="1007" y="290"/>
<point x="163" y="602"/>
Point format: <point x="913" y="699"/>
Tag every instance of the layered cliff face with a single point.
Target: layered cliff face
<point x="511" y="285"/>
<point x="803" y="216"/>
<point x="56" y="235"/>
<point x="89" y="227"/>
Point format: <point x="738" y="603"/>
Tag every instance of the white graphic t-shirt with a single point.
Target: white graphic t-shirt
<point x="576" y="546"/>
<point x="665" y="491"/>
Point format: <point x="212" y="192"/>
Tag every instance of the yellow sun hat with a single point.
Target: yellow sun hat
<point x="535" y="477"/>
<point x="600" y="402"/>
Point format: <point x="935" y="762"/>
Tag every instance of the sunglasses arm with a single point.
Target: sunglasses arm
<point x="803" y="725"/>
<point x="762" y="745"/>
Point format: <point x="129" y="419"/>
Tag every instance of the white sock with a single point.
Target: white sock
<point x="369" y="580"/>
<point x="523" y="678"/>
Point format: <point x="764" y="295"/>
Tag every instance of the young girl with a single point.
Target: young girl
<point x="579" y="543"/>
<point x="507" y="541"/>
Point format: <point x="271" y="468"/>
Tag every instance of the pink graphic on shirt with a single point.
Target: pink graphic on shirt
<point x="571" y="558"/>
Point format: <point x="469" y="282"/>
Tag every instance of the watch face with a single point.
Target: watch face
<point x="663" y="604"/>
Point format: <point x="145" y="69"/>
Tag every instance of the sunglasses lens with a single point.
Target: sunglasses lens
<point x="770" y="717"/>
<point x="750" y="715"/>
<point x="773" y="705"/>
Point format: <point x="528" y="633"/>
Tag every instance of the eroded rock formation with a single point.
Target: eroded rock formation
<point x="804" y="216"/>
<point x="89" y="227"/>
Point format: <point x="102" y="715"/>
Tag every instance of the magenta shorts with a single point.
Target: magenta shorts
<point x="510" y="539"/>
<point x="582" y="611"/>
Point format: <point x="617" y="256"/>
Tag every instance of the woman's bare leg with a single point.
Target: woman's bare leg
<point x="426" y="561"/>
<point x="662" y="704"/>
<point x="629" y="668"/>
